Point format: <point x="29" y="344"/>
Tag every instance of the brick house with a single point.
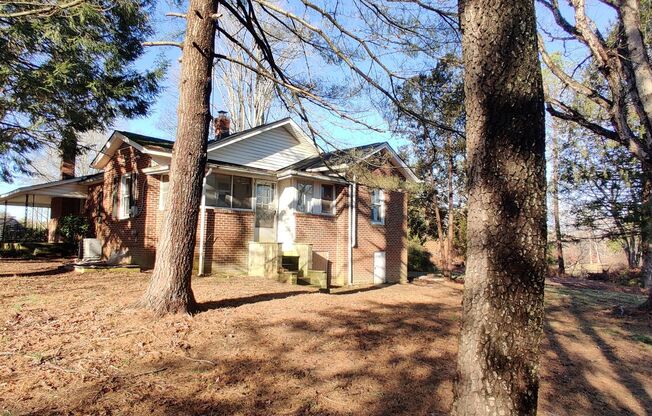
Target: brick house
<point x="271" y="201"/>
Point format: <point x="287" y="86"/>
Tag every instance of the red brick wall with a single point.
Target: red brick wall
<point x="228" y="233"/>
<point x="328" y="234"/>
<point x="130" y="240"/>
<point x="390" y="237"/>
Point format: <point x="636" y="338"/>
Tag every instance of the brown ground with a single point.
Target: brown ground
<point x="69" y="343"/>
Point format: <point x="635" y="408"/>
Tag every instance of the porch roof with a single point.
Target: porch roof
<point x="41" y="195"/>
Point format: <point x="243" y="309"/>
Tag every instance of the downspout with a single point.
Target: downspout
<point x="352" y="227"/>
<point x="202" y="224"/>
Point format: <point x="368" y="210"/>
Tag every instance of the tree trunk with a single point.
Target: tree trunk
<point x="169" y="289"/>
<point x="561" y="268"/>
<point x="451" y="214"/>
<point x="646" y="240"/>
<point x="440" y="230"/>
<point x="503" y="291"/>
<point x="642" y="72"/>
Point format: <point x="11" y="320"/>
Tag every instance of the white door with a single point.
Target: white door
<point x="379" y="267"/>
<point x="265" y="212"/>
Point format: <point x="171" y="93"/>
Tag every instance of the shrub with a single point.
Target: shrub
<point x="419" y="258"/>
<point x="73" y="227"/>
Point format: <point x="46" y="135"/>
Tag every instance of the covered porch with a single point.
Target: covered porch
<point x="43" y="205"/>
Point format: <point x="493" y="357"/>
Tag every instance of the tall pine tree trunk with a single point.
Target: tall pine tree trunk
<point x="503" y="294"/>
<point x="561" y="268"/>
<point x="169" y="289"/>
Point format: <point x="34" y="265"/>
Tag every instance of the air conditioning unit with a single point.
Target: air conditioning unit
<point x="91" y="249"/>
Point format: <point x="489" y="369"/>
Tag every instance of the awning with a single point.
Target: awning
<point x="41" y="195"/>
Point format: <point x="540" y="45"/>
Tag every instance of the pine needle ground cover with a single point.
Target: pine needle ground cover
<point x="71" y="343"/>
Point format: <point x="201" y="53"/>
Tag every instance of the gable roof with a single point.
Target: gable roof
<point x="147" y="140"/>
<point x="337" y="159"/>
<point x="321" y="161"/>
<point x="287" y="122"/>
<point x="145" y="144"/>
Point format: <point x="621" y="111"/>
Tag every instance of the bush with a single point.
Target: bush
<point x="419" y="258"/>
<point x="73" y="227"/>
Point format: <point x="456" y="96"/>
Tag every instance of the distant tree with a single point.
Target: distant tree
<point x="614" y="79"/>
<point x="502" y="318"/>
<point x="68" y="68"/>
<point x="44" y="167"/>
<point x="603" y="185"/>
<point x="438" y="154"/>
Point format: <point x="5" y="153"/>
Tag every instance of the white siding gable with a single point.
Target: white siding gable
<point x="273" y="150"/>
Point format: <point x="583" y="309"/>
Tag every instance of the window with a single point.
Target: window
<point x="377" y="206"/>
<point x="100" y="203"/>
<point x="327" y="194"/>
<point x="163" y="192"/>
<point x="226" y="191"/>
<point x="242" y="189"/>
<point x="115" y="188"/>
<point x="304" y="196"/>
<point x="125" y="196"/>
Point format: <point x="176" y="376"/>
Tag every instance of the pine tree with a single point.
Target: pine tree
<point x="68" y="68"/>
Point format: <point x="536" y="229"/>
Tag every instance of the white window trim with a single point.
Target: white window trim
<point x="381" y="205"/>
<point x="161" y="199"/>
<point x="122" y="195"/>
<point x="310" y="204"/>
<point x="333" y="201"/>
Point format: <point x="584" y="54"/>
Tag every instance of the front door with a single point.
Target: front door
<point x="265" y="211"/>
<point x="379" y="267"/>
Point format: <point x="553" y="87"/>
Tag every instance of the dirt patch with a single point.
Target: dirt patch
<point x="70" y="343"/>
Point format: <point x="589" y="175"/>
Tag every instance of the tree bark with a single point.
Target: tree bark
<point x="170" y="289"/>
<point x="451" y="214"/>
<point x="503" y="295"/>
<point x="646" y="241"/>
<point x="631" y="18"/>
<point x="561" y="268"/>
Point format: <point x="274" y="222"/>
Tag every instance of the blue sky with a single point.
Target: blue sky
<point x="346" y="133"/>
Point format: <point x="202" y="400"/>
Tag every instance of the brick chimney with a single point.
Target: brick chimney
<point x="67" y="169"/>
<point x="222" y="125"/>
<point x="68" y="151"/>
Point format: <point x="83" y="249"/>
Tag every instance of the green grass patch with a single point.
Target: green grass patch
<point x="595" y="299"/>
<point x="645" y="339"/>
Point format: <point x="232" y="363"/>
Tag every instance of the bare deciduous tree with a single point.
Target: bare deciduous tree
<point x="619" y="90"/>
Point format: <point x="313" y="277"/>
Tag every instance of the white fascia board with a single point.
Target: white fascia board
<point x="296" y="174"/>
<point x="114" y="142"/>
<point x="301" y="135"/>
<point x="96" y="163"/>
<point x="406" y="169"/>
<point x="326" y="168"/>
<point x="26" y="189"/>
<point x="155" y="170"/>
<point x="216" y="167"/>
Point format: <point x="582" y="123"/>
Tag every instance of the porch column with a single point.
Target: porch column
<point x="4" y="224"/>
<point x="26" y="208"/>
